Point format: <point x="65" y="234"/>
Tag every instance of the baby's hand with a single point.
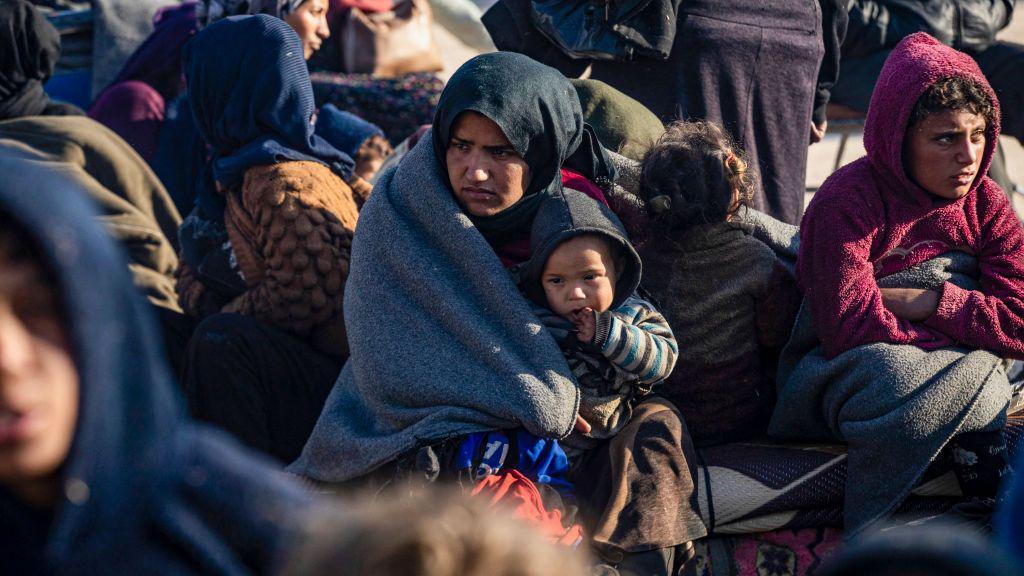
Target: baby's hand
<point x="582" y="426"/>
<point x="585" y="324"/>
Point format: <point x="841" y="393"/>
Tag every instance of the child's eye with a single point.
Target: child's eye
<point x="554" y="281"/>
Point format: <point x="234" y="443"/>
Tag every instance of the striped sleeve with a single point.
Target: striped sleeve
<point x="637" y="339"/>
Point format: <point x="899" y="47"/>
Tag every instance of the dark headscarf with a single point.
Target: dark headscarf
<point x="539" y="112"/>
<point x="252" y="102"/>
<point x="144" y="490"/>
<point x="157" y="61"/>
<point x="29" y="50"/>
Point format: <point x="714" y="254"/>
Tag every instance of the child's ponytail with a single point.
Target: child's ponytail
<point x="695" y="175"/>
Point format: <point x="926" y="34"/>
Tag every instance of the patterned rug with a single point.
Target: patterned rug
<point x="756" y="487"/>
<point x="777" y="553"/>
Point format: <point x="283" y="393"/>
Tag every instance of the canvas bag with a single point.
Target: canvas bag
<point x="392" y="43"/>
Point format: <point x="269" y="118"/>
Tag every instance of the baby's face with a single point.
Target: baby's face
<point x="580" y="273"/>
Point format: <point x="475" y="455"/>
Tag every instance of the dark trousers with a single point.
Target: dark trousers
<point x="260" y="384"/>
<point x="750" y="66"/>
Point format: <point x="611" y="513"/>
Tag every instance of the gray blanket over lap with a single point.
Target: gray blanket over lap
<point x="895" y="406"/>
<point x="442" y="343"/>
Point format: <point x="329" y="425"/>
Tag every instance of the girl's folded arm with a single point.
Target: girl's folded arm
<point x="991" y="318"/>
<point x="838" y="280"/>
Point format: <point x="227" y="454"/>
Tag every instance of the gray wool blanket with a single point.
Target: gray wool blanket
<point x="442" y="343"/>
<point x="895" y="406"/>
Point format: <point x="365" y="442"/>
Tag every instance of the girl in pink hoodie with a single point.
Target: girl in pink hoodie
<point x="921" y="191"/>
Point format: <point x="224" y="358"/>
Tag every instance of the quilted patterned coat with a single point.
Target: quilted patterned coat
<point x="290" y="226"/>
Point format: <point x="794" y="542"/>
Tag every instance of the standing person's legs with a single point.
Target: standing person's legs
<point x="725" y="67"/>
<point x="1003" y="66"/>
<point x="857" y="79"/>
<point x="781" y="107"/>
<point x="260" y="384"/>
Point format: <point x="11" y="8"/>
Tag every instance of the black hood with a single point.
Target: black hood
<point x="569" y="214"/>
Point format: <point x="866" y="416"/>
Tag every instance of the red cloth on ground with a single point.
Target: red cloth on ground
<point x="869" y="220"/>
<point x="511" y="489"/>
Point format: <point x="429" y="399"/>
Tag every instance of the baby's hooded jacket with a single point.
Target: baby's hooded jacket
<point x="633" y="347"/>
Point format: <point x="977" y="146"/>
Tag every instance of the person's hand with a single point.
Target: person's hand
<point x="818" y="131"/>
<point x="910" y="303"/>
<point x="582" y="426"/>
<point x="585" y="324"/>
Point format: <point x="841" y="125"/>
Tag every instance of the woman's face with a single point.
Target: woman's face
<point x="309" y="21"/>
<point x="944" y="152"/>
<point x="485" y="172"/>
<point x="38" y="379"/>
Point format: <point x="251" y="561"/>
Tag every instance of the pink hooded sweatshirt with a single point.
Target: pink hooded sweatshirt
<point x="869" y="220"/>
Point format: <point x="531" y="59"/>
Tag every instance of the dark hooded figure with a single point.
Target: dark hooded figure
<point x="100" y="472"/>
<point x="443" y="345"/>
<point x="29" y="50"/>
<point x="265" y="250"/>
<point x="133" y="205"/>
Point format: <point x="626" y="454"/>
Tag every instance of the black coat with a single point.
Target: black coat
<point x="968" y="25"/>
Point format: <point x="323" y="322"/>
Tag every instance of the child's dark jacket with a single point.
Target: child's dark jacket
<point x="732" y="305"/>
<point x="633" y="347"/>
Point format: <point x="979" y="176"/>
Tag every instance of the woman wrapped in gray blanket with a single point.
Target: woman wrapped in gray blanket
<point x="444" y="346"/>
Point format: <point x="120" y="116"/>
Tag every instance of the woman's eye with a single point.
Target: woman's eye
<point x="944" y="139"/>
<point x="501" y="154"/>
<point x="554" y="281"/>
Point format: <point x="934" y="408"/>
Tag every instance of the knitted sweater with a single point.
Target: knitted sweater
<point x="633" y="350"/>
<point x="291" y="227"/>
<point x="869" y="220"/>
<point x="731" y="304"/>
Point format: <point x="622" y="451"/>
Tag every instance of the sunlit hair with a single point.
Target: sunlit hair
<point x="956" y="93"/>
<point x="375" y="147"/>
<point x="434" y="532"/>
<point x="694" y="174"/>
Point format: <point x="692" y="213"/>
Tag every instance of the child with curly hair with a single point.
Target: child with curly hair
<point x="729" y="300"/>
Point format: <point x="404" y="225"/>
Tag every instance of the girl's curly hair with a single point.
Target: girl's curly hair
<point x="695" y="174"/>
<point x="957" y="93"/>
